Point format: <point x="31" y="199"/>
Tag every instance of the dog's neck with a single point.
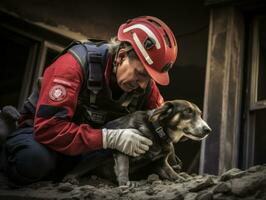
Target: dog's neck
<point x="158" y="129"/>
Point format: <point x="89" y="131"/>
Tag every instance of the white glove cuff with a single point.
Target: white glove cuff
<point x="104" y="133"/>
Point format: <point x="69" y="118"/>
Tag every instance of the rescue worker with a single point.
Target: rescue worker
<point x="89" y="84"/>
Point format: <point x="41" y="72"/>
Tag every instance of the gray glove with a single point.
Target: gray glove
<point x="127" y="141"/>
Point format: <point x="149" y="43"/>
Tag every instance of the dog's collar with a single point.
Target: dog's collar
<point x="158" y="128"/>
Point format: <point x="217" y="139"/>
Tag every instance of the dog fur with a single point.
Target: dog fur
<point x="179" y="119"/>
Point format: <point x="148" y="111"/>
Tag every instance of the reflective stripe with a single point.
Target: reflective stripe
<point x="62" y="82"/>
<point x="146" y="30"/>
<point x="142" y="49"/>
<point x="49" y="111"/>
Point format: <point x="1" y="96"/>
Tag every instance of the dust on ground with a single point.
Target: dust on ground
<point x="234" y="184"/>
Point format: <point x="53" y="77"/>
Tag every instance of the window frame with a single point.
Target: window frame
<point x="45" y="37"/>
<point x="252" y="104"/>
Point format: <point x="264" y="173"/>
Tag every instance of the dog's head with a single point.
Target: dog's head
<point x="181" y="120"/>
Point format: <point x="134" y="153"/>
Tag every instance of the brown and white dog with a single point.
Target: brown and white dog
<point x="174" y="121"/>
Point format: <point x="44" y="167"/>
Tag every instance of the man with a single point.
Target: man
<point x="90" y="84"/>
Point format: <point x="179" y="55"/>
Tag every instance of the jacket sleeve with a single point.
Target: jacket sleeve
<point x="154" y="98"/>
<point x="56" y="106"/>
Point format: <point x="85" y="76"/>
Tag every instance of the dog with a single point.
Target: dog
<point x="174" y="121"/>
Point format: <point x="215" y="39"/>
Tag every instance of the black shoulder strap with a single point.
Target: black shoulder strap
<point x="73" y="43"/>
<point x="92" y="58"/>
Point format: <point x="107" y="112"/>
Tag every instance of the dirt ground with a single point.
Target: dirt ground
<point x="234" y="184"/>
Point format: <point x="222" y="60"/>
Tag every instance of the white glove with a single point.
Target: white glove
<point x="127" y="141"/>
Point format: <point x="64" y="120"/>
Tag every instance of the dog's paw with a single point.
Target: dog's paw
<point x="71" y="179"/>
<point x="133" y="184"/>
<point x="177" y="168"/>
<point x="122" y="181"/>
<point x="178" y="178"/>
<point x="130" y="185"/>
<point x="162" y="174"/>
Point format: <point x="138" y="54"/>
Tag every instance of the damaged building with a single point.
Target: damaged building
<point x="220" y="65"/>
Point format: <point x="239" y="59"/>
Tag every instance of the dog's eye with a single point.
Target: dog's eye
<point x="188" y="112"/>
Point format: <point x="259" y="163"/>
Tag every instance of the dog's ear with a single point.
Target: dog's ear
<point x="162" y="112"/>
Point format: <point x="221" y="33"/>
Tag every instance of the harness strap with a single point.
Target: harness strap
<point x="95" y="79"/>
<point x="158" y="129"/>
<point x="91" y="57"/>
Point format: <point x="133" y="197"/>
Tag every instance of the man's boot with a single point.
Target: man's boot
<point x="8" y="122"/>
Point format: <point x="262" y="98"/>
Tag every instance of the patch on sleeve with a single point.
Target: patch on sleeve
<point x="57" y="93"/>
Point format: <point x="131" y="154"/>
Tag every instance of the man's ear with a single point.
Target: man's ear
<point x="162" y="112"/>
<point x="121" y="56"/>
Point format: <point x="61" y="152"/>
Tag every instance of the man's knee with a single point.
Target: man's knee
<point x="34" y="164"/>
<point x="28" y="161"/>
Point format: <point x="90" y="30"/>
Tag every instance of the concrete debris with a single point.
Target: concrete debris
<point x="232" y="173"/>
<point x="222" y="188"/>
<point x="153" y="177"/>
<point x="234" y="184"/>
<point x="65" y="187"/>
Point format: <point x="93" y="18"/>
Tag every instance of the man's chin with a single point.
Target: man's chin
<point x="128" y="90"/>
<point x="125" y="88"/>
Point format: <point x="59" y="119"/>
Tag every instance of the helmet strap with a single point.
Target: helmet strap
<point x="115" y="60"/>
<point x="115" y="64"/>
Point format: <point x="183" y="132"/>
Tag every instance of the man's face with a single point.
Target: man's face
<point x="131" y="74"/>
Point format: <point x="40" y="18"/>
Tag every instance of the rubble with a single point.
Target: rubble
<point x="153" y="177"/>
<point x="234" y="184"/>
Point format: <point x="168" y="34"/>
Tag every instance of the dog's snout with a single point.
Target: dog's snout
<point x="206" y="130"/>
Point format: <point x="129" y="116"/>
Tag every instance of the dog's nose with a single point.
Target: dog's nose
<point x="206" y="130"/>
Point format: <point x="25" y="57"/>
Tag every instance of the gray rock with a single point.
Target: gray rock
<point x="220" y="196"/>
<point x="191" y="196"/>
<point x="232" y="173"/>
<point x="185" y="175"/>
<point x="101" y="185"/>
<point x="157" y="182"/>
<point x="222" y="188"/>
<point x="200" y="186"/>
<point x="255" y="168"/>
<point x="198" y="177"/>
<point x="132" y="190"/>
<point x="150" y="191"/>
<point x="204" y="196"/>
<point x="248" y="185"/>
<point x="152" y="177"/>
<point x="260" y="194"/>
<point x="65" y="187"/>
<point x="87" y="188"/>
<point x="179" y="195"/>
<point x="75" y="192"/>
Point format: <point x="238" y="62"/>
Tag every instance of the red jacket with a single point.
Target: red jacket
<point x="61" y="84"/>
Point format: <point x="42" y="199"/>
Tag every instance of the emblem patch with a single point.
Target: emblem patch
<point x="57" y="93"/>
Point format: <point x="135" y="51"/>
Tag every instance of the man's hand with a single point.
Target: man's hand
<point x="127" y="141"/>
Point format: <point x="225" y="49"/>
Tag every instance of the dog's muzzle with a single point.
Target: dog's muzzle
<point x="198" y="133"/>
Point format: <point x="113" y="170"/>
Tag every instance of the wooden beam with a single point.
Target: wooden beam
<point x="219" y="152"/>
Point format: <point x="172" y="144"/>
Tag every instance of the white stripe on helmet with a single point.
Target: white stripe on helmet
<point x="146" y="30"/>
<point x="142" y="49"/>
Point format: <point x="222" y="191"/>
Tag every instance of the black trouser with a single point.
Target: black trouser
<point x="26" y="161"/>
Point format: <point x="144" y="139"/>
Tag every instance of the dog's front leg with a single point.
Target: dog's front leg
<point x="173" y="160"/>
<point x="121" y="168"/>
<point x="167" y="172"/>
<point x="88" y="163"/>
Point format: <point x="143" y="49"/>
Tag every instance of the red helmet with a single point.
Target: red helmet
<point x="154" y="43"/>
